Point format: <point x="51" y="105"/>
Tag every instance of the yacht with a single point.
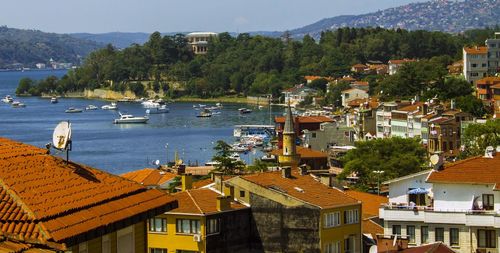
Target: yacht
<point x="17" y="104"/>
<point x="131" y="119"/>
<point x="7" y="99"/>
<point x="150" y="104"/>
<point x="73" y="110"/>
<point x="158" y="110"/>
<point x="244" y="110"/>
<point x="91" y="107"/>
<point x="54" y="100"/>
<point x="204" y="114"/>
<point x="112" y="106"/>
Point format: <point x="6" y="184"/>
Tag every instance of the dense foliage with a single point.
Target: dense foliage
<point x="479" y="136"/>
<point x="395" y="156"/>
<point x="226" y="164"/>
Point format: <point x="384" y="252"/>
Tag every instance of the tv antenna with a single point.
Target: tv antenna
<point x="61" y="138"/>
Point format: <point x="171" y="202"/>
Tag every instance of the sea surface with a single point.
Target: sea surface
<point x="119" y="148"/>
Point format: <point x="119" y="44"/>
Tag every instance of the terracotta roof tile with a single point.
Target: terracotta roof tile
<point x="476" y="50"/>
<point x="200" y="201"/>
<point x="149" y="176"/>
<point x="402" y="61"/>
<point x="476" y="170"/>
<point x="371" y="202"/>
<point x="437" y="247"/>
<point x="371" y="227"/>
<point x="305" y="119"/>
<point x="302" y="187"/>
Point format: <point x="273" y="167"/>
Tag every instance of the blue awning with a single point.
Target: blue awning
<point x="418" y="191"/>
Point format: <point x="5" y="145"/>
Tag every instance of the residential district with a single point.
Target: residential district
<point x="302" y="202"/>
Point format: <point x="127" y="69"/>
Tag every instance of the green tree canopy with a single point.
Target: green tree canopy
<point x="226" y="164"/>
<point x="479" y="136"/>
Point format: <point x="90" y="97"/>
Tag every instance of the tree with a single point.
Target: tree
<point x="454" y="87"/>
<point x="24" y="86"/>
<point x="319" y="84"/>
<point x="395" y="156"/>
<point x="479" y="136"/>
<point x="226" y="164"/>
<point x="472" y="105"/>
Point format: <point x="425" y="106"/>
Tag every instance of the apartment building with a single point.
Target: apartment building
<point x="475" y="63"/>
<point x="457" y="204"/>
<point x="353" y="94"/>
<point x="406" y="121"/>
<point x="493" y="54"/>
<point x="383" y="119"/>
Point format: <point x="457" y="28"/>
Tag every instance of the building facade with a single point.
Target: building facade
<point x="199" y="41"/>
<point x="493" y="54"/>
<point x="475" y="63"/>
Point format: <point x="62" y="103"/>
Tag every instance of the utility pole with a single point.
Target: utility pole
<point x="378" y="172"/>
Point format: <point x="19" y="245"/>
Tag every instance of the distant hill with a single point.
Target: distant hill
<point x="28" y="47"/>
<point x="117" y="39"/>
<point x="436" y="15"/>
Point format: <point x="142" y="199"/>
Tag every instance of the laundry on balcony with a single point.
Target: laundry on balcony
<point x="418" y="191"/>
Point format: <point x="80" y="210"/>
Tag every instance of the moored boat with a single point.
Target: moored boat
<point x="53" y="100"/>
<point x="91" y="107"/>
<point x="131" y="119"/>
<point x="244" y="110"/>
<point x="204" y="114"/>
<point x="158" y="110"/>
<point x="112" y="106"/>
<point x="7" y="99"/>
<point x="73" y="110"/>
<point x="17" y="104"/>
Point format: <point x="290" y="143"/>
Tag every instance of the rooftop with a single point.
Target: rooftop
<point x="476" y="50"/>
<point x="304" y="119"/>
<point x="371" y="202"/>
<point x="304" y="188"/>
<point x="488" y="80"/>
<point x="305" y="153"/>
<point x="200" y="201"/>
<point x="401" y="61"/>
<point x="45" y="199"/>
<point x="149" y="176"/>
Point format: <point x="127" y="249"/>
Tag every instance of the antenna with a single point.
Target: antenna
<point x="61" y="138"/>
<point x="437" y="161"/>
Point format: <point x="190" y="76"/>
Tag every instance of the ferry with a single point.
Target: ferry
<point x="265" y="131"/>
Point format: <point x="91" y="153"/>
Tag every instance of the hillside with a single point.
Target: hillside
<point x="117" y="39"/>
<point x="436" y="15"/>
<point x="29" y="47"/>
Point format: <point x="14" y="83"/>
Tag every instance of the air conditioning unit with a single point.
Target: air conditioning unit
<point x="197" y="238"/>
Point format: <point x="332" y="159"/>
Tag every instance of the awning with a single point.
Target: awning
<point x="418" y="191"/>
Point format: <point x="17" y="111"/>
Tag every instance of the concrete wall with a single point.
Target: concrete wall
<point x="449" y="197"/>
<point x="398" y="191"/>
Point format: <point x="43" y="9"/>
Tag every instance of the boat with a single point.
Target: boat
<point x="7" y="99"/>
<point x="244" y="110"/>
<point x="91" y="107"/>
<point x="54" y="100"/>
<point x="264" y="131"/>
<point x="17" y="104"/>
<point x="150" y="104"/>
<point x="235" y="157"/>
<point x="73" y="110"/>
<point x="112" y="106"/>
<point x="125" y="100"/>
<point x="158" y="110"/>
<point x="204" y="114"/>
<point x="268" y="158"/>
<point x="212" y="163"/>
<point x="131" y="119"/>
<point x="240" y="147"/>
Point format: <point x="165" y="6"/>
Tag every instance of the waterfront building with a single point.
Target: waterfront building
<point x="329" y="134"/>
<point x="493" y="54"/>
<point x="459" y="205"/>
<point x="395" y="65"/>
<point x="353" y="94"/>
<point x="300" y="123"/>
<point x="292" y="211"/>
<point x="199" y="41"/>
<point x="475" y="63"/>
<point x="55" y="205"/>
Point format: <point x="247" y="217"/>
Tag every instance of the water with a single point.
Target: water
<point x="120" y="148"/>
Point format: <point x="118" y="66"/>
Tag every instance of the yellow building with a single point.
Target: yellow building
<point x="294" y="212"/>
<point x="289" y="157"/>
<point x="204" y="221"/>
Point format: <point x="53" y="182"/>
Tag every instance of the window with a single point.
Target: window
<point x="396" y="229"/>
<point x="439" y="234"/>
<point x="351" y="216"/>
<point x="424" y="234"/>
<point x="474" y="65"/>
<point x="242" y="194"/>
<point x="454" y="241"/>
<point x="213" y="226"/>
<point x="486" y="238"/>
<point x="349" y="244"/>
<point x="333" y="247"/>
<point x="488" y="201"/>
<point x="158" y="225"/>
<point x="157" y="250"/>
<point x="332" y="219"/>
<point x="410" y="233"/>
<point x="313" y="135"/>
<point x="185" y="226"/>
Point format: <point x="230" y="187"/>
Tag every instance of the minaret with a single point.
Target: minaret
<point x="289" y="156"/>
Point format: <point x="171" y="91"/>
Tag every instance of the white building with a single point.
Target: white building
<point x="406" y="121"/>
<point x="383" y="119"/>
<point x="475" y="63"/>
<point x="494" y="54"/>
<point x="199" y="41"/>
<point x="353" y="94"/>
<point x="395" y="65"/>
<point x="459" y="204"/>
<point x="298" y="94"/>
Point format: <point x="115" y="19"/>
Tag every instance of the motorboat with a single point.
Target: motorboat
<point x="17" y="104"/>
<point x="73" y="110"/>
<point x="244" y="110"/>
<point x="54" y="100"/>
<point x="158" y="110"/>
<point x="204" y="114"/>
<point x="91" y="107"/>
<point x="235" y="157"/>
<point x="7" y="99"/>
<point x="199" y="106"/>
<point x="150" y="104"/>
<point x="131" y="119"/>
<point x="112" y="106"/>
<point x="240" y="147"/>
<point x="268" y="158"/>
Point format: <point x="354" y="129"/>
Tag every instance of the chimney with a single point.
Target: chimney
<point x="181" y="169"/>
<point x="286" y="172"/>
<point x="229" y="191"/>
<point x="223" y="203"/>
<point x="187" y="182"/>
<point x="303" y="170"/>
<point x="452" y="104"/>
<point x="425" y="108"/>
<point x="218" y="180"/>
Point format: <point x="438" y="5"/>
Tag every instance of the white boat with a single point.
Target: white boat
<point x="54" y="100"/>
<point x="73" y="110"/>
<point x="235" y="157"/>
<point x="7" y="99"/>
<point x="158" y="110"/>
<point x="244" y="110"/>
<point x="17" y="104"/>
<point x="112" y="106"/>
<point x="204" y="114"/>
<point x="91" y="107"/>
<point x="240" y="147"/>
<point x="150" y="104"/>
<point x="131" y="119"/>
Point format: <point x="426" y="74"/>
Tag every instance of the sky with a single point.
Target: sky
<point x="100" y="16"/>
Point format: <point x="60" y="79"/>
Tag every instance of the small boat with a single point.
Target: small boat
<point x="91" y="107"/>
<point x="73" y="110"/>
<point x="268" y="158"/>
<point x="7" y="99"/>
<point x="204" y="114"/>
<point x="53" y="100"/>
<point x="158" y="110"/>
<point x="150" y="104"/>
<point x="112" y="106"/>
<point x="131" y="119"/>
<point x="212" y="163"/>
<point x="17" y="104"/>
<point x="235" y="157"/>
<point x="240" y="147"/>
<point x="244" y="110"/>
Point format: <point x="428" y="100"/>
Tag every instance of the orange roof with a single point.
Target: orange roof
<point x="149" y="176"/>
<point x="362" y="83"/>
<point x="199" y="201"/>
<point x="372" y="103"/>
<point x="402" y="61"/>
<point x="476" y="50"/>
<point x="488" y="80"/>
<point x="437" y="247"/>
<point x="371" y="227"/>
<point x="496" y="86"/>
<point x="475" y="170"/>
<point x="371" y="202"/>
<point x="207" y="181"/>
<point x="411" y="108"/>
<point x="305" y="153"/>
<point x="302" y="187"/>
<point x="45" y="199"/>
<point x="312" y="78"/>
<point x="304" y="119"/>
<point x="199" y="170"/>
<point x="359" y="65"/>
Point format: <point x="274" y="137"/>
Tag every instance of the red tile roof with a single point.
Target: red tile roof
<point x="305" y="119"/>
<point x="371" y="227"/>
<point x="305" y="153"/>
<point x="475" y="170"/>
<point x="476" y="50"/>
<point x="200" y="201"/>
<point x="302" y="187"/>
<point x="149" y="176"/>
<point x="437" y="247"/>
<point x="371" y="202"/>
<point x="411" y="108"/>
<point x="48" y="200"/>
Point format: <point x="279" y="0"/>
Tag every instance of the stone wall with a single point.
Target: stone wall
<point x="234" y="235"/>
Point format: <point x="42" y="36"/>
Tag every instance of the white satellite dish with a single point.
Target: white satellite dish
<point x="62" y="135"/>
<point x="157" y="162"/>
<point x="435" y="159"/>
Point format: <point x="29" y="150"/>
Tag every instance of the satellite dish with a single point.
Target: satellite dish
<point x="62" y="135"/>
<point x="157" y="162"/>
<point x="435" y="159"/>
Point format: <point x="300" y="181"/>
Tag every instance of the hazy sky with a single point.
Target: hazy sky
<point x="97" y="16"/>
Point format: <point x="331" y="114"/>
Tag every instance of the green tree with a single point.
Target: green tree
<point x="319" y="84"/>
<point x="479" y="136"/>
<point x="472" y="105"/>
<point x="226" y="164"/>
<point x="24" y="86"/>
